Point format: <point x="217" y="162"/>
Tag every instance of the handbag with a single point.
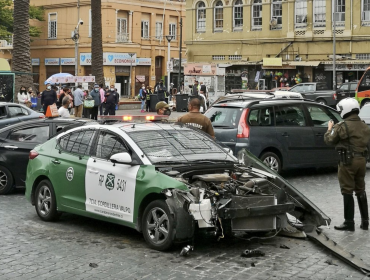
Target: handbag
<point x="33" y="102"/>
<point x="89" y="102"/>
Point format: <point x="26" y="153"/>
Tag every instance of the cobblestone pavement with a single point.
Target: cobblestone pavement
<point x="82" y="248"/>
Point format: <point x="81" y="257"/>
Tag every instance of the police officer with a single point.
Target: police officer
<point x="112" y="99"/>
<point x="351" y="137"/>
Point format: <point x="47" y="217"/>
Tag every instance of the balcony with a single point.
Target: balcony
<point x="6" y="42"/>
<point x="122" y="38"/>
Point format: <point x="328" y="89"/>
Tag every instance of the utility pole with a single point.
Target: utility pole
<point x="334" y="47"/>
<point x="179" y="79"/>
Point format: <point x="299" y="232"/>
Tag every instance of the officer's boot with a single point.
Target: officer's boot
<point x="349" y="213"/>
<point x="362" y="204"/>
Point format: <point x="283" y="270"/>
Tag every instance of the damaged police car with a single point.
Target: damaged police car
<point x="162" y="179"/>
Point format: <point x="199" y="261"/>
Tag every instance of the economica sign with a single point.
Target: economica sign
<point x="110" y="59"/>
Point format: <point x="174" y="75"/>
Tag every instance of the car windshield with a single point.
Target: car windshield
<point x="179" y="144"/>
<point x="365" y="112"/>
<point x="225" y="117"/>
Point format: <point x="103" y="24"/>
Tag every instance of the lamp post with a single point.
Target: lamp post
<point x="179" y="79"/>
<point x="169" y="39"/>
<point x="76" y="37"/>
<point x="131" y="55"/>
<point x="334" y="47"/>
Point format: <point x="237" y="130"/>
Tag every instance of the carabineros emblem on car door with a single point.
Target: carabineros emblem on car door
<point x="109" y="182"/>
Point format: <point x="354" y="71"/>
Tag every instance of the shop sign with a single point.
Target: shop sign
<point x="140" y="78"/>
<point x="35" y="61"/>
<point x="110" y="59"/>
<point x="143" y="61"/>
<point x="346" y="67"/>
<point x="52" y="61"/>
<point x="197" y="69"/>
<point x="68" y="61"/>
<point x="73" y="79"/>
<point x="276" y="61"/>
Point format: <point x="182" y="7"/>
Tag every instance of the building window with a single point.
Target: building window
<point x="276" y="14"/>
<point x="319" y="13"/>
<point x="340" y="12"/>
<point x="365" y="12"/>
<point x="52" y="26"/>
<point x="235" y="57"/>
<point x="218" y="57"/>
<point x="363" y="56"/>
<point x="238" y="15"/>
<point x="201" y="17"/>
<point x="172" y="31"/>
<point x="122" y="35"/>
<point x="301" y="14"/>
<point x="158" y="31"/>
<point x="219" y="16"/>
<point x="145" y="29"/>
<point x="90" y="23"/>
<point x="257" y="15"/>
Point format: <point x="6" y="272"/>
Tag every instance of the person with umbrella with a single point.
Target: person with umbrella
<point x="48" y="97"/>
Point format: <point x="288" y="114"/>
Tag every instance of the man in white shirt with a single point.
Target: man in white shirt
<point x="63" y="110"/>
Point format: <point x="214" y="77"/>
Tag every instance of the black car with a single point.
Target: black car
<point x="11" y="113"/>
<point x="16" y="142"/>
<point x="346" y="90"/>
<point x="283" y="133"/>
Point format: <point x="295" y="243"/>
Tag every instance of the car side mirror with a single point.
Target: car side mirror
<point x="121" y="158"/>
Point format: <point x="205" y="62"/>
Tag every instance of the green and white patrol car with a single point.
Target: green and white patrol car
<point x="161" y="179"/>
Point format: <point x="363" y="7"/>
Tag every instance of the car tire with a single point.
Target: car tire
<point x="45" y="201"/>
<point x="272" y="161"/>
<point x="321" y="101"/>
<point x="6" y="180"/>
<point x="158" y="225"/>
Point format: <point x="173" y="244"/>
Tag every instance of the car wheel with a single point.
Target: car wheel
<point x="321" y="101"/>
<point x="158" y="225"/>
<point x="272" y="161"/>
<point x="46" y="206"/>
<point x="6" y="181"/>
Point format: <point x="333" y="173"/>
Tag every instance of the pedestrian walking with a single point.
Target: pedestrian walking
<point x="95" y="94"/>
<point x="23" y="97"/>
<point x="196" y="119"/>
<point x="142" y="96"/>
<point x="102" y="98"/>
<point x="112" y="100"/>
<point x="48" y="97"/>
<point x="63" y="110"/>
<point x="149" y="92"/>
<point x="78" y="95"/>
<point x="351" y="137"/>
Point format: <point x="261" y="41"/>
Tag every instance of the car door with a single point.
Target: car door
<point x="68" y="167"/>
<point x="110" y="188"/>
<point x="352" y="89"/>
<point x="294" y="135"/>
<point x="319" y="118"/>
<point x="343" y="91"/>
<point x="309" y="91"/>
<point x="16" y="146"/>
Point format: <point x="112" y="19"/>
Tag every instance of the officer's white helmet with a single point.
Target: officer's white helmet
<point x="348" y="105"/>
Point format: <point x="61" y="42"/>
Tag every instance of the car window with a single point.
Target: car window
<point x="353" y="87"/>
<point x="319" y="116"/>
<point x="365" y="82"/>
<point x="38" y="134"/>
<point x="109" y="144"/>
<point x="321" y="86"/>
<point x="224" y="116"/>
<point x="289" y="116"/>
<point x="261" y="117"/>
<point x="78" y="142"/>
<point x="3" y="113"/>
<point x="310" y="87"/>
<point x="336" y="115"/>
<point x="297" y="88"/>
<point x="16" y="111"/>
<point x="344" y="87"/>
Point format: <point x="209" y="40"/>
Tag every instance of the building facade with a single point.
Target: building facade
<point x="279" y="40"/>
<point x="138" y="27"/>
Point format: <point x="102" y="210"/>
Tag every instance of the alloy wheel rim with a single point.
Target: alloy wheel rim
<point x="157" y="225"/>
<point x="272" y="163"/>
<point x="3" y="180"/>
<point x="44" y="200"/>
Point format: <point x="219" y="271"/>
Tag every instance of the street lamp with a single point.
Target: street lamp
<point x="169" y="39"/>
<point x="131" y="55"/>
<point x="76" y="37"/>
<point x="334" y="47"/>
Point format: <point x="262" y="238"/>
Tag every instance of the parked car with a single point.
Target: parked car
<point x="318" y="92"/>
<point x="346" y="90"/>
<point x="283" y="133"/>
<point x="11" y="113"/>
<point x="163" y="180"/>
<point x="16" y="142"/>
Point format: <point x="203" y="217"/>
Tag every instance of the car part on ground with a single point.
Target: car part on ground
<point x="6" y="180"/>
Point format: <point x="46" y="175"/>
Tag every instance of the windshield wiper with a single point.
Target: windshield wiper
<point x="225" y="126"/>
<point x="170" y="162"/>
<point x="213" y="161"/>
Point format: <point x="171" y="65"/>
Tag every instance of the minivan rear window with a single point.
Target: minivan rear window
<point x="226" y="117"/>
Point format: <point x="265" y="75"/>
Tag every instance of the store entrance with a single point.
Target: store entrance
<point x="124" y="81"/>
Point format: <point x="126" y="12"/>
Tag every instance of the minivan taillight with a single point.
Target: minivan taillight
<point x="33" y="154"/>
<point x="335" y="96"/>
<point x="243" y="128"/>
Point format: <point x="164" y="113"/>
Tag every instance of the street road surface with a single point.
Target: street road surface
<point x="83" y="248"/>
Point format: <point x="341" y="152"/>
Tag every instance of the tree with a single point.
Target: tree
<point x="21" y="45"/>
<point x="96" y="42"/>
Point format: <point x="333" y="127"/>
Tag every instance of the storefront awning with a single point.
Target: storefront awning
<point x="304" y="63"/>
<point x="346" y="62"/>
<point x="283" y="67"/>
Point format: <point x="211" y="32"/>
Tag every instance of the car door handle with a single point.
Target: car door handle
<point x="11" y="147"/>
<point x="285" y="134"/>
<point x="55" y="161"/>
<point x="93" y="171"/>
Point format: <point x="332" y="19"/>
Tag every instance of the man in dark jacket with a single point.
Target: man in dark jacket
<point x="162" y="91"/>
<point x="48" y="97"/>
<point x="112" y="99"/>
<point x="351" y="137"/>
<point x="95" y="94"/>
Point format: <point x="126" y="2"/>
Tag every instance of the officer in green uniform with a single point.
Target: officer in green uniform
<point x="351" y="137"/>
